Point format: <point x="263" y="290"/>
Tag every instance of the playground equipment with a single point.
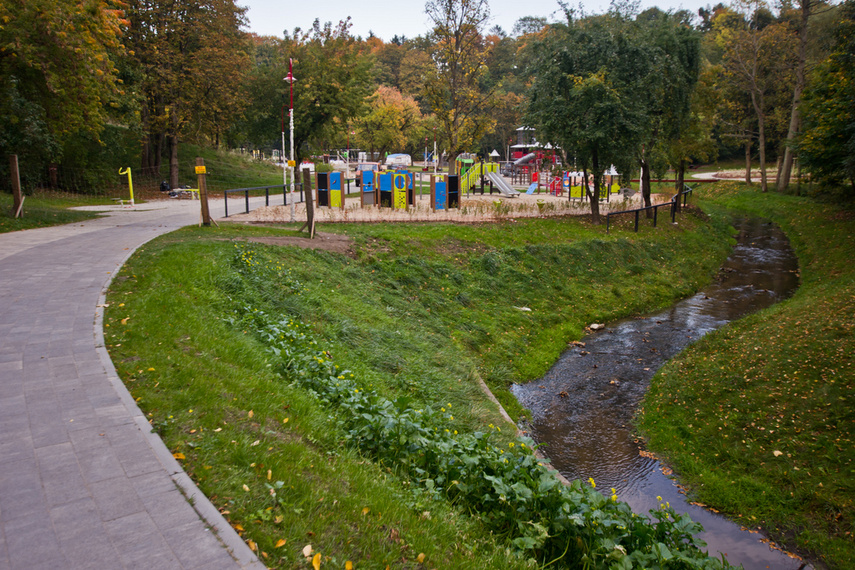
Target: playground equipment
<point x="444" y="194"/>
<point x="330" y="190"/>
<point x="387" y="189"/>
<point x="130" y="182"/>
<point x="502" y="186"/>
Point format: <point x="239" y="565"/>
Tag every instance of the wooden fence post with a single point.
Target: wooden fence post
<point x="203" y="190"/>
<point x="310" y="202"/>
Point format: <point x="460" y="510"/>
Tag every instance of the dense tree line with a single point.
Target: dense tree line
<point x="96" y="82"/>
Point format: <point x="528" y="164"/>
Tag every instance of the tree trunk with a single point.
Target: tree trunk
<point x="595" y="199"/>
<point x="761" y="137"/>
<point x="645" y="186"/>
<point x="173" y="161"/>
<point x="681" y="178"/>
<point x="795" y="117"/>
<point x="748" y="161"/>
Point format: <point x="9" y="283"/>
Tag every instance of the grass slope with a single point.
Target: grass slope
<point x="758" y="417"/>
<point x="46" y="209"/>
<point x="419" y="311"/>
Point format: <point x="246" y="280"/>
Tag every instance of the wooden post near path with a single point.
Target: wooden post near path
<point x="309" y="200"/>
<point x="18" y="197"/>
<point x="203" y="190"/>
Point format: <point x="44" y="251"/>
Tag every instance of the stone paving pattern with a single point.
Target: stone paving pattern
<point x="83" y="481"/>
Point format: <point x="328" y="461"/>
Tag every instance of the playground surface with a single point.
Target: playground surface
<point x="474" y="208"/>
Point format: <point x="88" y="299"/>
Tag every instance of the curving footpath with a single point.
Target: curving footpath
<point x="83" y="481"/>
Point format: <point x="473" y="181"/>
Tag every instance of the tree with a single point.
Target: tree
<point x="333" y="72"/>
<point x="807" y="8"/>
<point x="333" y="81"/>
<point x="191" y="58"/>
<point x="676" y="50"/>
<point x="57" y="72"/>
<point x="391" y="122"/>
<point x="587" y="77"/>
<point x="827" y="144"/>
<point x="757" y="60"/>
<point x="452" y="88"/>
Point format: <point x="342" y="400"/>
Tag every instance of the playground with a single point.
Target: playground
<point x="473" y="208"/>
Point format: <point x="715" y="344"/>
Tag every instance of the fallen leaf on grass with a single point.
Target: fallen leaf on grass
<point x="420" y="558"/>
<point x="307" y="550"/>
<point x="125" y="320"/>
<point x="316" y="561"/>
<point x="348" y="565"/>
<point x="252" y="545"/>
<point x="777" y="453"/>
<point x="178" y="456"/>
<point x="237" y="527"/>
<point x="250" y="414"/>
<point x="280" y="543"/>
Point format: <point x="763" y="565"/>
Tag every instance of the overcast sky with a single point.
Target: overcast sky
<point x="387" y="18"/>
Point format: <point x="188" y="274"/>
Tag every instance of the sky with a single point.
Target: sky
<point x="387" y="18"/>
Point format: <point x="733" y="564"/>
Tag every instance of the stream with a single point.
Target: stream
<point x="583" y="407"/>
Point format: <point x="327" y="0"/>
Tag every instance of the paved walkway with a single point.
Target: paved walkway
<point x="83" y="481"/>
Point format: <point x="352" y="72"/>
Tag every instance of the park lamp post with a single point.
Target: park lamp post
<point x="291" y="79"/>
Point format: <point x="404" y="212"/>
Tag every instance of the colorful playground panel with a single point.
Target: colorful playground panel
<point x="330" y="191"/>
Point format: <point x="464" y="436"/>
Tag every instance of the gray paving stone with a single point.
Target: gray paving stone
<point x="31" y="542"/>
<point x="167" y="510"/>
<point x="99" y="463"/>
<point x="84" y="539"/>
<point x="140" y="543"/>
<point x="116" y="498"/>
<point x="201" y="552"/>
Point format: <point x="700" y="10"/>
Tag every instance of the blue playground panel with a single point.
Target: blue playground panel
<point x="441" y="196"/>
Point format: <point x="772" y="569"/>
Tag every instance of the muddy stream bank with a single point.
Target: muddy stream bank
<point x="582" y="408"/>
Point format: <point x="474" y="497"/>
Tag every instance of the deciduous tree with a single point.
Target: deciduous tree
<point x="191" y="57"/>
<point x="57" y="72"/>
<point x="588" y="74"/>
<point x="827" y="144"/>
<point x="453" y="85"/>
<point x="757" y="60"/>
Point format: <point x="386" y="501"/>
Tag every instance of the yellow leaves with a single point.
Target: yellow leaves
<point x="365" y="511"/>
<point x="285" y="421"/>
<point x="245" y="487"/>
<point x="316" y="561"/>
<point x="237" y="527"/>
<point x="125" y="320"/>
<point x="420" y="558"/>
<point x="178" y="456"/>
<point x="250" y="414"/>
<point x="280" y="543"/>
<point x="348" y="565"/>
<point x="252" y="545"/>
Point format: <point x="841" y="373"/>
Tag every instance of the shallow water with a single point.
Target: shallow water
<point x="581" y="409"/>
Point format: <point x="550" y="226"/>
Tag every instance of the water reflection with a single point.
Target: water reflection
<point x="581" y="409"/>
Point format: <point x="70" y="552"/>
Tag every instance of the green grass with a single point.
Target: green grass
<point x="418" y="310"/>
<point x="758" y="417"/>
<point x="45" y="209"/>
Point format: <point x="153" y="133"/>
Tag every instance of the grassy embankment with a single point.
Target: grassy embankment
<point x="758" y="417"/>
<point x="47" y="209"/>
<point x="419" y="311"/>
